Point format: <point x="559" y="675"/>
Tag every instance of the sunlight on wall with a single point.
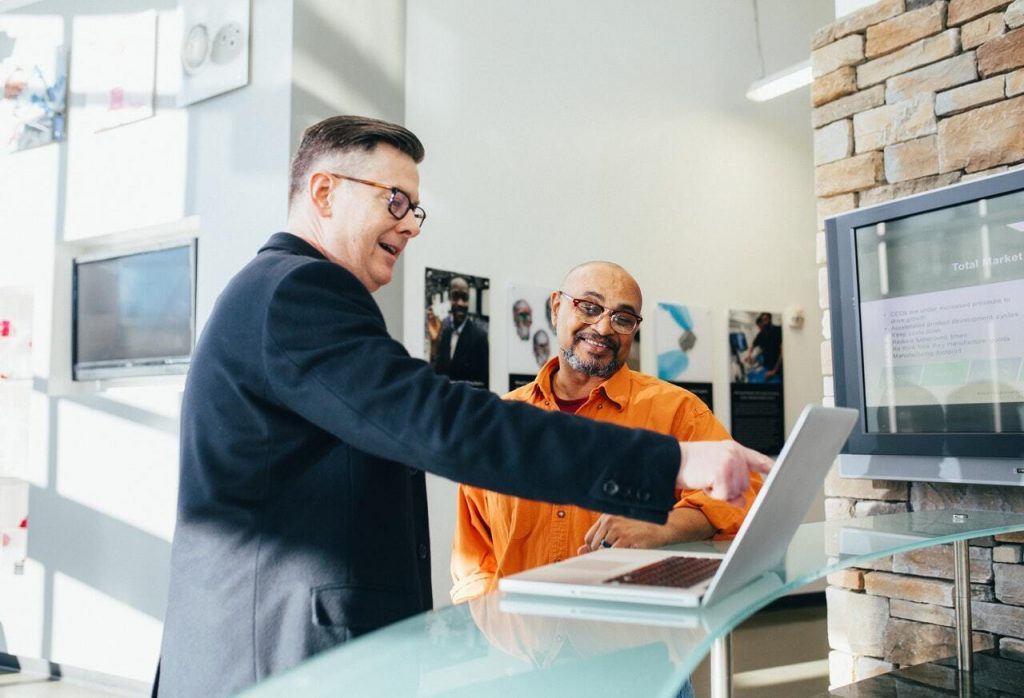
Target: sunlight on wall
<point x="120" y="457"/>
<point x="82" y="615"/>
<point x="29" y="205"/>
<point x="141" y="166"/>
<point x="21" y="610"/>
<point x="29" y="177"/>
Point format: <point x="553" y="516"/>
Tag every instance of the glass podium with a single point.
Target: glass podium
<point x="516" y="645"/>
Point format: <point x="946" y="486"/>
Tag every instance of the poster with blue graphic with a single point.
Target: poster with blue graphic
<point x="684" y="347"/>
<point x="33" y="72"/>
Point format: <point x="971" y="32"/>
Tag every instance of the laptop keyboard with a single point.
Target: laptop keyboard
<point x="680" y="572"/>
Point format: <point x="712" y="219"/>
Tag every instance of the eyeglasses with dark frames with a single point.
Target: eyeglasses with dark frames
<point x="399" y="204"/>
<point x="589" y="312"/>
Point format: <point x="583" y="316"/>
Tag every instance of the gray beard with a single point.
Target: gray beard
<point x="590" y="368"/>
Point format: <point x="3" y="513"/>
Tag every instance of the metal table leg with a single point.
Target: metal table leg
<point x="962" y="600"/>
<point x="721" y="667"/>
<point x="962" y="592"/>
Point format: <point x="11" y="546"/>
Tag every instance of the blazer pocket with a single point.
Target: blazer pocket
<point x="359" y="608"/>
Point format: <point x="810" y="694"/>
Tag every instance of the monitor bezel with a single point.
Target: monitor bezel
<point x="844" y="306"/>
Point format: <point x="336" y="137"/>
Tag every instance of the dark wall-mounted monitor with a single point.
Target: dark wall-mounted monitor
<point x="927" y="315"/>
<point x="133" y="313"/>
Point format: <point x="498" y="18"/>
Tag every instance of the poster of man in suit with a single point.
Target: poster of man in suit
<point x="456" y="325"/>
<point x="755" y="374"/>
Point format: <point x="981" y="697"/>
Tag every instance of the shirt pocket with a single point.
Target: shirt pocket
<point x="512" y="518"/>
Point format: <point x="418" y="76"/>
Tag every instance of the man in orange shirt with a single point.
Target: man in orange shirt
<point x="597" y="313"/>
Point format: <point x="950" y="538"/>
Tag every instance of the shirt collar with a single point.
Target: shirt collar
<point x="616" y="389"/>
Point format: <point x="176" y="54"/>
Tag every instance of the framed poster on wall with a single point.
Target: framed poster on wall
<point x="755" y="379"/>
<point x="33" y="72"/>
<point x="114" y="67"/>
<point x="214" y="48"/>
<point x="531" y="337"/>
<point x="456" y="323"/>
<point x="682" y="336"/>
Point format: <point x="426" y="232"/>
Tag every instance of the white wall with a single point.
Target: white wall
<point x="596" y="129"/>
<point x="350" y="59"/>
<point x="103" y="467"/>
<point x="845" y="7"/>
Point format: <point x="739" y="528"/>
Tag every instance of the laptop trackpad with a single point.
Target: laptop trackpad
<point x="582" y="564"/>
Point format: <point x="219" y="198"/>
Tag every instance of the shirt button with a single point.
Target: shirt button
<point x="422" y="551"/>
<point x="611" y="487"/>
<point x="548" y="403"/>
<point x="561" y="513"/>
<point x="600" y="407"/>
<point x="645" y="496"/>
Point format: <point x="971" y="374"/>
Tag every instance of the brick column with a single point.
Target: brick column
<point x="908" y="96"/>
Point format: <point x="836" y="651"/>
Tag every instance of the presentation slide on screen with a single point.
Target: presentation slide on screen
<point x="961" y="346"/>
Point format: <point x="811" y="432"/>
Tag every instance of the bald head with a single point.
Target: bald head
<point x="597" y="275"/>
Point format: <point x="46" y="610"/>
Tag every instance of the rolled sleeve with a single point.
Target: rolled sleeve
<point x="473" y="564"/>
<point x="724" y="517"/>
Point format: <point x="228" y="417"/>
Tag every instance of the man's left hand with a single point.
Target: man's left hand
<point x="622" y="532"/>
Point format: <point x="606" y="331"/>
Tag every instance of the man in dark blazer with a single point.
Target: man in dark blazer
<point x="468" y="361"/>
<point x="305" y="431"/>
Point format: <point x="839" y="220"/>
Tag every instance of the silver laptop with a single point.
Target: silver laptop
<point x="674" y="578"/>
<point x="709" y="617"/>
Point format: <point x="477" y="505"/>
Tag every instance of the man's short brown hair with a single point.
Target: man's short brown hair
<point x="340" y="134"/>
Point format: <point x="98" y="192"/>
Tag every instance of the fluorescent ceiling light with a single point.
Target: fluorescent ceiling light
<point x="787" y="80"/>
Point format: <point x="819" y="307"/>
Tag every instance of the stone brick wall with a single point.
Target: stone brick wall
<point x="911" y="95"/>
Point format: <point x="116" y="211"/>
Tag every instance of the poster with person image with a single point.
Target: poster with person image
<point x="755" y="347"/>
<point x="682" y="337"/>
<point x="531" y="338"/>
<point x="456" y="322"/>
<point x="755" y="378"/>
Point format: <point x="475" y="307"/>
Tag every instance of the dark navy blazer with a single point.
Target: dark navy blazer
<point x="306" y="429"/>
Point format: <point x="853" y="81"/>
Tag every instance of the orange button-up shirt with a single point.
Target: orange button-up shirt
<point x="497" y="535"/>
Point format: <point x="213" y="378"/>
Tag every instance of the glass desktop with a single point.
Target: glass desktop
<point x="505" y="645"/>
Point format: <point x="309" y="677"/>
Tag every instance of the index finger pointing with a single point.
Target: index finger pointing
<point x="758" y="461"/>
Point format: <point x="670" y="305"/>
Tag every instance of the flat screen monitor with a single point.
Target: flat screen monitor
<point x="927" y="317"/>
<point x="133" y="313"/>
